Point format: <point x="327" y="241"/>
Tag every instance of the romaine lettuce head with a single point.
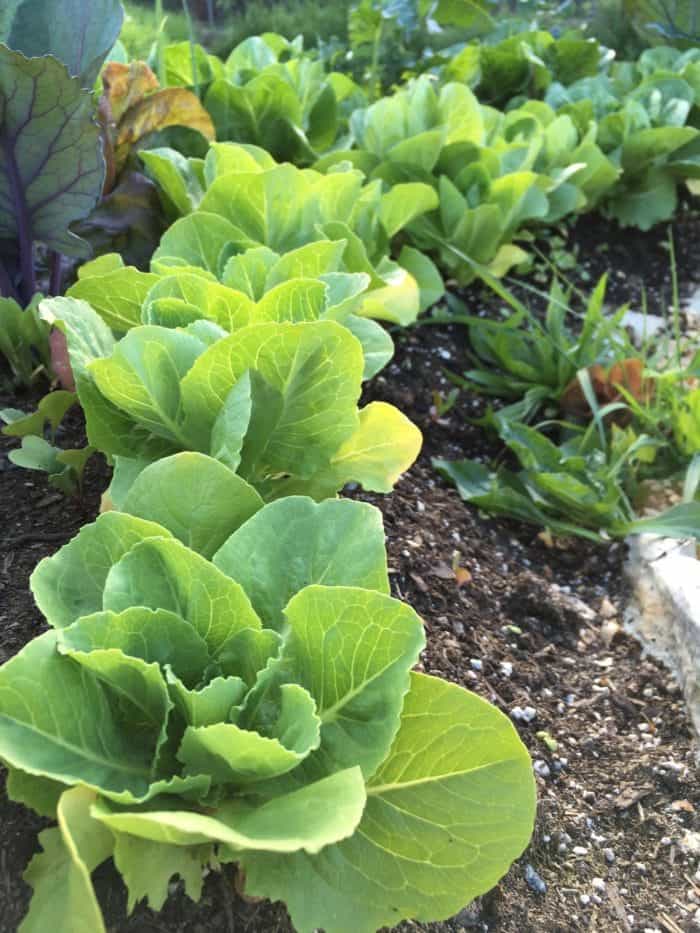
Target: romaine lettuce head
<point x="181" y="713"/>
<point x="275" y="402"/>
<point x="250" y="203"/>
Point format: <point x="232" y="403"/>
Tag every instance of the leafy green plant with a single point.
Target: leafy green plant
<point x="492" y="173"/>
<point x="535" y="360"/>
<point x="275" y="402"/>
<point x="675" y="21"/>
<point x="24" y="341"/>
<point x="52" y="171"/>
<point x="576" y="488"/>
<point x="524" y="65"/>
<point x="249" y="201"/>
<point x="64" y="467"/>
<point x="273" y="96"/>
<point x="645" y="113"/>
<point x="259" y="287"/>
<point x="266" y="717"/>
<point x="135" y="113"/>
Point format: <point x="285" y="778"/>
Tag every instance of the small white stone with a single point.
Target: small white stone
<point x="506" y="668"/>
<point x="585" y="899"/>
<point x="541" y="768"/>
<point x="580" y="850"/>
<point x="476" y="664"/>
<point x="598" y="884"/>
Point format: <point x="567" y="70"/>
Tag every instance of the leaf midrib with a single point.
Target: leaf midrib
<point x="76" y="750"/>
<point x="429" y="779"/>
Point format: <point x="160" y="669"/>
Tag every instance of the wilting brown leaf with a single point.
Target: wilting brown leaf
<point x="126" y="85"/>
<point x="128" y="221"/>
<point x="627" y="374"/>
<point x="173" y="106"/>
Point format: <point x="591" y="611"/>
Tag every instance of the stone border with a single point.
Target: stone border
<point x="664" y="611"/>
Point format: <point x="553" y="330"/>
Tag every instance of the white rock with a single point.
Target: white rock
<point x="690" y="842"/>
<point x="642" y="326"/>
<point x="665" y="612"/>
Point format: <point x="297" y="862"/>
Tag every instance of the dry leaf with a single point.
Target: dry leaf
<point x="126" y="85"/>
<point x="627" y="374"/>
<point x="173" y="106"/>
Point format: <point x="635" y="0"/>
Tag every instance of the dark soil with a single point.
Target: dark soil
<point x="531" y="625"/>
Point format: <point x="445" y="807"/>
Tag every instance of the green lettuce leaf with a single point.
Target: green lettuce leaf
<point x="450" y="808"/>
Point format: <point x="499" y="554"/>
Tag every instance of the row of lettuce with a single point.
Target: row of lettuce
<point x="225" y="677"/>
<point x="510" y="136"/>
<point x="522" y="133"/>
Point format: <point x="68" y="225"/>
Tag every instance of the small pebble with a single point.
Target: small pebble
<point x="585" y="899"/>
<point x="476" y="664"/>
<point x="541" y="768"/>
<point x="598" y="884"/>
<point x="580" y="850"/>
<point x="534" y="881"/>
<point x="607" y="610"/>
<point x="521" y="714"/>
<point x="506" y="668"/>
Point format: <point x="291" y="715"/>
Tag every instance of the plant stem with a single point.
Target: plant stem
<point x="160" y="23"/>
<point x="676" y="299"/>
<point x="24" y="224"/>
<point x="374" y="67"/>
<point x="193" y="59"/>
<point x="7" y="289"/>
<point x="56" y="273"/>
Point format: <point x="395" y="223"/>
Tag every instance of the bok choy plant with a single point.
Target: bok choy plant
<point x="183" y="713"/>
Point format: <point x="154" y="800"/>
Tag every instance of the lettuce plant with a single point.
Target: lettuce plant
<point x="258" y="286"/>
<point x="275" y="402"/>
<point x="274" y="96"/>
<point x="525" y="64"/>
<point x="249" y="201"/>
<point x="646" y="115"/>
<point x="493" y="173"/>
<point x="182" y="713"/>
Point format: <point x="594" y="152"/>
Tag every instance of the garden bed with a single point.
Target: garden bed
<point x="532" y="627"/>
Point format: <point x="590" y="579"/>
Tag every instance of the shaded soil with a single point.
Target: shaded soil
<point x="530" y="626"/>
